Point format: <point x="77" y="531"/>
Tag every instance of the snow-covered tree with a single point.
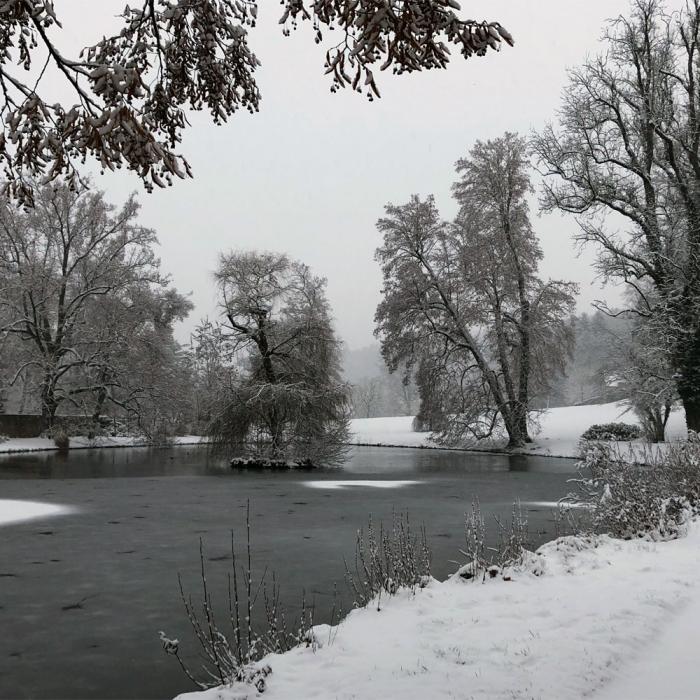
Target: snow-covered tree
<point x="83" y="293"/>
<point x="284" y="397"/>
<point x="132" y="90"/>
<point x="625" y="158"/>
<point x="467" y="295"/>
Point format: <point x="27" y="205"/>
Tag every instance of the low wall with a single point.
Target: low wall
<point x="27" y="425"/>
<point x="20" y="425"/>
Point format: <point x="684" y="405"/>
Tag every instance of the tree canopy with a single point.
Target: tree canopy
<point x="132" y="90"/>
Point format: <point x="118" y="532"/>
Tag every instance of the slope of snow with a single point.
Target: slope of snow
<point x="581" y="613"/>
<point x="392" y="431"/>
<point x="556" y="431"/>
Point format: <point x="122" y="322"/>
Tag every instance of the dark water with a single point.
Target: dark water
<point x="83" y="595"/>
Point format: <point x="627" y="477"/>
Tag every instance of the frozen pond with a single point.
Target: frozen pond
<point x="83" y="594"/>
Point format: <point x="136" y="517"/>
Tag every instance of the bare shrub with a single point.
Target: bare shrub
<point x="388" y="560"/>
<point x="232" y="655"/>
<point x="492" y="560"/>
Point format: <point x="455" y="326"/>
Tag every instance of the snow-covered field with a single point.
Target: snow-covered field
<point x="556" y="434"/>
<point x="598" y="618"/>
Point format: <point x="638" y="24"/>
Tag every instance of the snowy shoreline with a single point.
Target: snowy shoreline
<point x="584" y="616"/>
<point x="558" y="436"/>
<point x="19" y="445"/>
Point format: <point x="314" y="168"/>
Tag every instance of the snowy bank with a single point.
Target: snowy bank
<point x="556" y="434"/>
<point x="39" y="444"/>
<point x="583" y="614"/>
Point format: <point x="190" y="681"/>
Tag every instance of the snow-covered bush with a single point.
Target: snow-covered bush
<point x="613" y="432"/>
<point x="654" y="500"/>
<point x="388" y="560"/>
<point x="3" y="438"/>
<point x="491" y="561"/>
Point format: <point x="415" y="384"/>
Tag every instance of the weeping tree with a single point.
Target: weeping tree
<point x="464" y="297"/>
<point x="130" y="92"/>
<point x="284" y="397"/>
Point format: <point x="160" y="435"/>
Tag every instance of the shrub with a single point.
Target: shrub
<point x="654" y="500"/>
<point x="61" y="439"/>
<point x="509" y="551"/>
<point x="3" y="438"/>
<point x="613" y="432"/>
<point x="388" y="560"/>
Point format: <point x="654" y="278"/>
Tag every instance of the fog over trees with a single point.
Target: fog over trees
<point x="473" y="339"/>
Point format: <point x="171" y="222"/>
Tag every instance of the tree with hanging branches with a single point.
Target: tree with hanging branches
<point x="283" y="398"/>
<point x="132" y="90"/>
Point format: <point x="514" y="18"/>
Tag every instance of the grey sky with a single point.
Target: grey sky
<point x="311" y="172"/>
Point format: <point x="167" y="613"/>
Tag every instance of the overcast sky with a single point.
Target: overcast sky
<point x="311" y="172"/>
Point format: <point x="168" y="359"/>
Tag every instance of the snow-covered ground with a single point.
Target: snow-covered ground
<point x="39" y="444"/>
<point x="556" y="433"/>
<point x="598" y="618"/>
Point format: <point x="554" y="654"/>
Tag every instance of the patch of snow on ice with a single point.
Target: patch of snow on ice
<point x="334" y="485"/>
<point x="555" y="505"/>
<point x="12" y="511"/>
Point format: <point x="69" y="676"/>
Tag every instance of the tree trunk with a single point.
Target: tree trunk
<point x="654" y="423"/>
<point x="691" y="404"/>
<point x="49" y="405"/>
<point x="689" y="381"/>
<point x="515" y="421"/>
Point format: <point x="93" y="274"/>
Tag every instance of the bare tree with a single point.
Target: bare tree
<point x="77" y="279"/>
<point x="365" y="395"/>
<point x="132" y="90"/>
<point x="627" y="149"/>
<point x="466" y="294"/>
<point x="286" y="398"/>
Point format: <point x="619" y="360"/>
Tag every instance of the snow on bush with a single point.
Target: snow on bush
<point x="615" y="432"/>
<point x="654" y="497"/>
<point x="489" y="561"/>
<point x="388" y="561"/>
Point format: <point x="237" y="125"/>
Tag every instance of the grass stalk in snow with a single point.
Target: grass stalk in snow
<point x="482" y="559"/>
<point x="388" y="560"/>
<point x="232" y="658"/>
